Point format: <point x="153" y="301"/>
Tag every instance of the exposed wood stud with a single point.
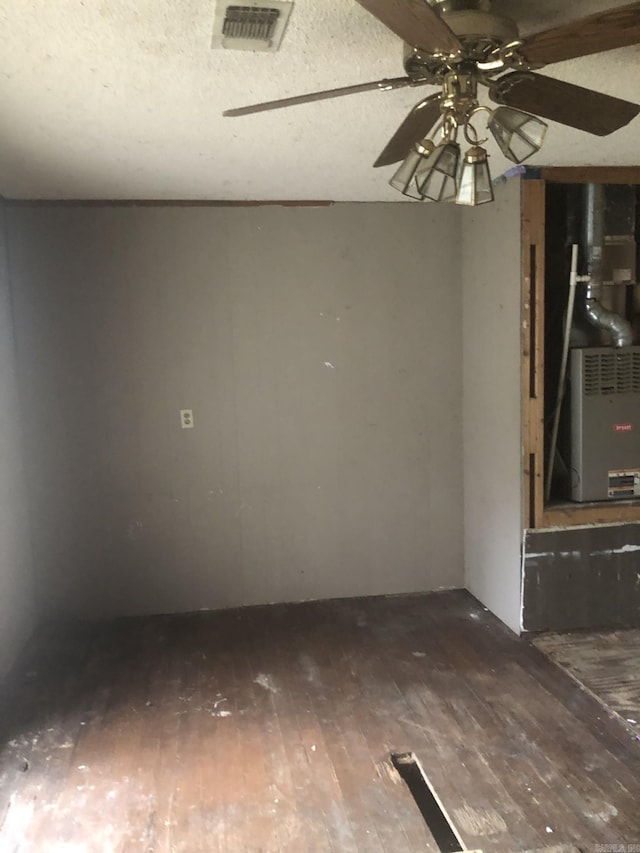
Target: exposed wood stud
<point x="591" y="174"/>
<point x="533" y="245"/>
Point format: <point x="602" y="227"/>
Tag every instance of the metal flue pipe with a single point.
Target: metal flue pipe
<point x="593" y="242"/>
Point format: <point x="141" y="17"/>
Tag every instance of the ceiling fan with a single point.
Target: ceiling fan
<point x="459" y="45"/>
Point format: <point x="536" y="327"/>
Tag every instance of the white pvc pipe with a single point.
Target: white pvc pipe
<point x="574" y="278"/>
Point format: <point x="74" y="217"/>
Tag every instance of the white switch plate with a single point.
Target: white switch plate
<point x="186" y="418"/>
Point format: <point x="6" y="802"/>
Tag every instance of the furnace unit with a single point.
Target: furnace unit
<point x="605" y="423"/>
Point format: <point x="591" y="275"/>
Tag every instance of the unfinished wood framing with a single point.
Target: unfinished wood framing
<point x="563" y="515"/>
<point x="591" y="174"/>
<point x="536" y="513"/>
<point x="533" y="219"/>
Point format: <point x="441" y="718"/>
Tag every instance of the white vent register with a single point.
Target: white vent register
<point x="250" y="25"/>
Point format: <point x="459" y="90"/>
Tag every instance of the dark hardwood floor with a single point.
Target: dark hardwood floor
<point x="270" y="729"/>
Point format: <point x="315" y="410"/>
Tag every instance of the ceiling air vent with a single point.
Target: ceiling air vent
<point x="252" y="25"/>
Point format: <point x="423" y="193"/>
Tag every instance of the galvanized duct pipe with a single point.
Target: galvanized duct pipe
<point x="593" y="241"/>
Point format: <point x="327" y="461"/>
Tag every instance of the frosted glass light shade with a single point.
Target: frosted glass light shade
<point x="518" y="134"/>
<point x="404" y="178"/>
<point x="474" y="186"/>
<point x="436" y="176"/>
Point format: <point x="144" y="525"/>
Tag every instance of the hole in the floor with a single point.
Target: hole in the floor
<point x="427" y="801"/>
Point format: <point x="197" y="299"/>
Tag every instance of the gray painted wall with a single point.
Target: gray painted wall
<point x="492" y="408"/>
<point x="17" y="609"/>
<point x="320" y="351"/>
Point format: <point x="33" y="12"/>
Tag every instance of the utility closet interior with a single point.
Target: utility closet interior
<point x="319" y="483"/>
<point x="597" y="443"/>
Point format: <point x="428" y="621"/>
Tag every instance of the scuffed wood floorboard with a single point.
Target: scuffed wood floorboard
<point x="269" y="729"/>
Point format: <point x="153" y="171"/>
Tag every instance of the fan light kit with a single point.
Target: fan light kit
<point x="433" y="172"/>
<point x="459" y="45"/>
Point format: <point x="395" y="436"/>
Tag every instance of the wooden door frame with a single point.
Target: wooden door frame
<point x="536" y="514"/>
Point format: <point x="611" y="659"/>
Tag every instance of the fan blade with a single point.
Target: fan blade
<point x="415" y="127"/>
<point x="604" y="31"/>
<point x="381" y="85"/>
<point x="416" y="23"/>
<point x="565" y="103"/>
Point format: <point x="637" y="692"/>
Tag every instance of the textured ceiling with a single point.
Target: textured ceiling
<point x="123" y="99"/>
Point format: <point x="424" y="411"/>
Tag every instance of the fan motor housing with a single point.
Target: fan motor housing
<point x="480" y="32"/>
<point x="482" y="25"/>
<point x="443" y="7"/>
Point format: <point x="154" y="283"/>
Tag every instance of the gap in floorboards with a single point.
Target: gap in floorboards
<point x="443" y="831"/>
